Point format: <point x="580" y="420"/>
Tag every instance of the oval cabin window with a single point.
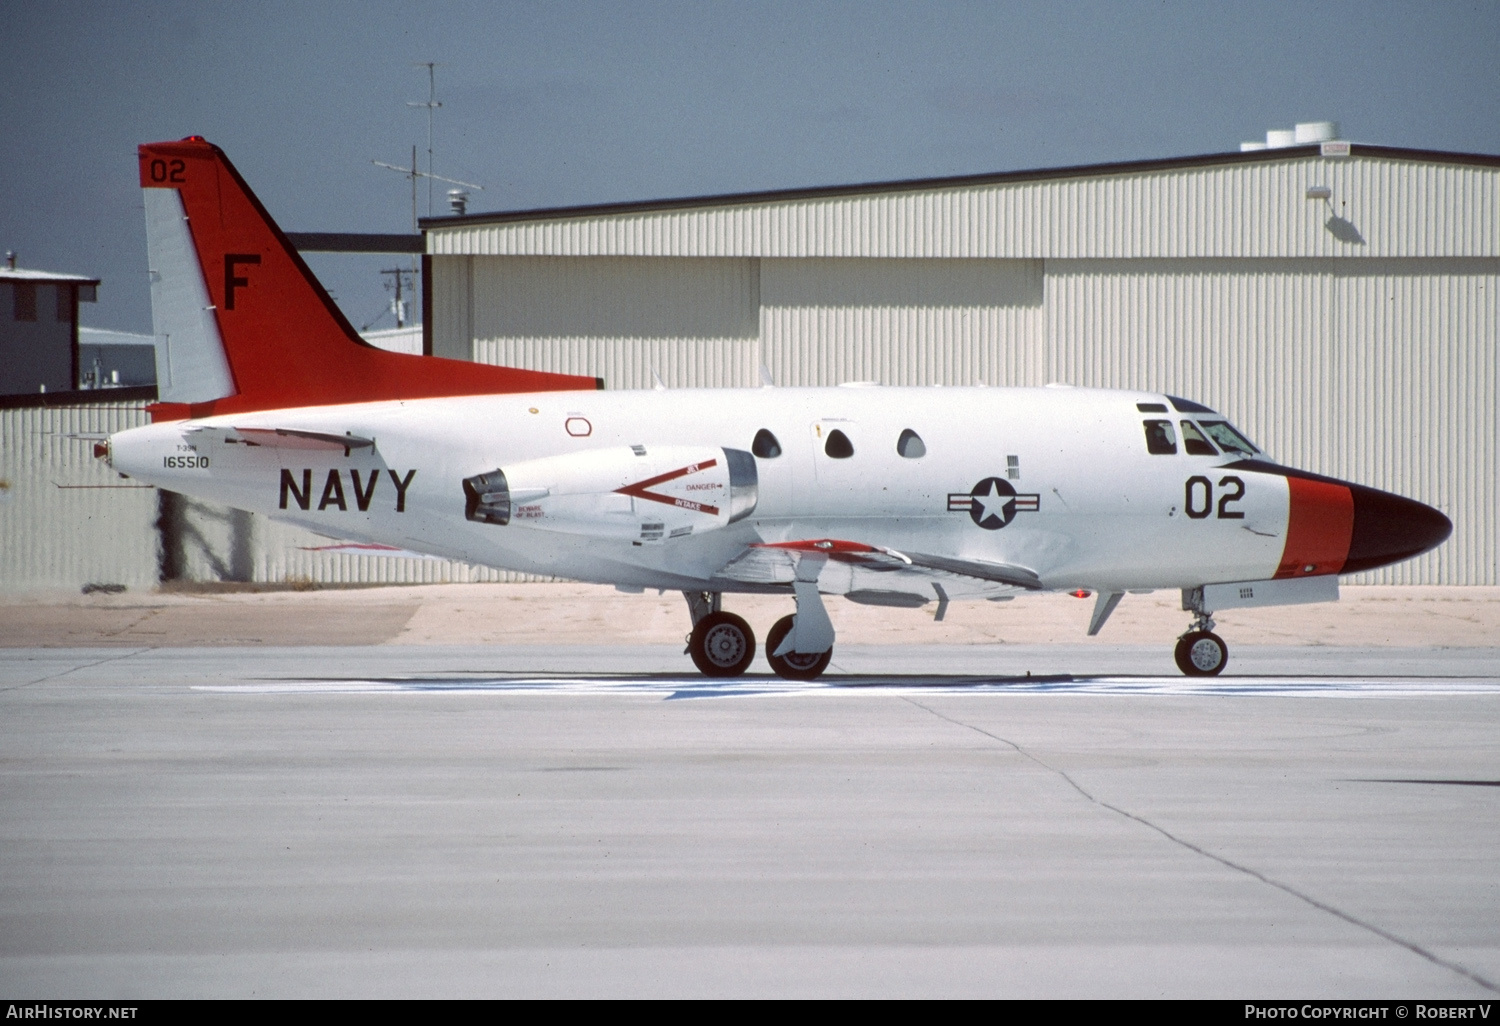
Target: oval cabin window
<point x="765" y="445"/>
<point x="838" y="445"/>
<point x="910" y="445"/>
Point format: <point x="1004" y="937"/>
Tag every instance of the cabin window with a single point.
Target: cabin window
<point x="1228" y="438"/>
<point x="1194" y="442"/>
<point x="910" y="445"/>
<point x="1151" y="407"/>
<point x="765" y="445"/>
<point x="838" y="446"/>
<point x="1161" y="440"/>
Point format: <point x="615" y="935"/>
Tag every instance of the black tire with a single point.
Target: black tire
<point x="722" y="645"/>
<point x="794" y="665"/>
<point x="1201" y="654"/>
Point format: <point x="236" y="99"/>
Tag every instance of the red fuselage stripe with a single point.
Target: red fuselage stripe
<point x="1320" y="523"/>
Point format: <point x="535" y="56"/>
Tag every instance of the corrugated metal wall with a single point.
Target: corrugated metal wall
<point x="66" y="519"/>
<point x="1379" y="207"/>
<point x="1377" y="371"/>
<point x="696" y="322"/>
<point x="287" y="554"/>
<point x="902" y="322"/>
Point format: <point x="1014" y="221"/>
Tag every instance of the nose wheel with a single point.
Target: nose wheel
<point x="1201" y="654"/>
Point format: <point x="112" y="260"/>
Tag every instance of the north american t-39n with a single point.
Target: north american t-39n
<point x="270" y="402"/>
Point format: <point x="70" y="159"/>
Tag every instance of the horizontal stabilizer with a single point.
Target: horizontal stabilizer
<point x="284" y="438"/>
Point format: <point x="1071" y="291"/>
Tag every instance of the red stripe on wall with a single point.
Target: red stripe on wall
<point x="1320" y="522"/>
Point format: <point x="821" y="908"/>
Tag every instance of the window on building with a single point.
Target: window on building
<point x="765" y="445"/>
<point x="1194" y="442"/>
<point x="1161" y="440"/>
<point x="838" y="446"/>
<point x="910" y="445"/>
<point x="23" y="294"/>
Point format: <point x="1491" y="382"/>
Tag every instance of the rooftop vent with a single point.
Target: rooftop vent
<point x="1305" y="134"/>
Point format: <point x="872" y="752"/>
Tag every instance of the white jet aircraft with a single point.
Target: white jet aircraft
<point x="888" y="496"/>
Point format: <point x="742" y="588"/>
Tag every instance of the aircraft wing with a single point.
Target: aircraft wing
<point x="854" y="568"/>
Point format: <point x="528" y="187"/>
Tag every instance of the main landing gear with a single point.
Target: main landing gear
<point x="793" y="665"/>
<point x="721" y="644"/>
<point x="1200" y="652"/>
<point x="798" y="647"/>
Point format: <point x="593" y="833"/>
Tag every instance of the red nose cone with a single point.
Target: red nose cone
<point x="1334" y="527"/>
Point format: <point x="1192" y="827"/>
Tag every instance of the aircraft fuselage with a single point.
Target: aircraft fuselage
<point x="1067" y="485"/>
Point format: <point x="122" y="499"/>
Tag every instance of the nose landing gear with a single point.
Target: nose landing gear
<point x="1200" y="652"/>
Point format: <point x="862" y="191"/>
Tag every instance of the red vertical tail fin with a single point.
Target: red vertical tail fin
<point x="284" y="340"/>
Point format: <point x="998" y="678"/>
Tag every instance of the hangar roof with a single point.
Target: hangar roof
<point x="24" y="274"/>
<point x="1381" y="201"/>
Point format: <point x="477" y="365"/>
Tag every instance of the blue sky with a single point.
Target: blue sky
<point x="555" y="104"/>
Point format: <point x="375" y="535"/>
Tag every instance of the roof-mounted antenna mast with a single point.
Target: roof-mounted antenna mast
<point x="432" y="104"/>
<point x="412" y="173"/>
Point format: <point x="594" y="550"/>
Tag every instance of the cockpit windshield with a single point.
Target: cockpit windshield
<point x="1227" y="437"/>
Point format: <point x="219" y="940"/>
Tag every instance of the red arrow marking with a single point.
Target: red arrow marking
<point x="639" y="489"/>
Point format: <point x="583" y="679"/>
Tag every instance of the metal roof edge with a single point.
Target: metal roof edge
<point x="27" y="274"/>
<point x="956" y="182"/>
<point x="80" y="397"/>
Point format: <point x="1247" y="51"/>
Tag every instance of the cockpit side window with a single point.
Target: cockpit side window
<point x="910" y="445"/>
<point x="1228" y="438"/>
<point x="765" y="445"/>
<point x="1194" y="442"/>
<point x="1161" y="440"/>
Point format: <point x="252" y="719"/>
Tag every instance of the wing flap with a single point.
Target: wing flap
<point x="848" y="566"/>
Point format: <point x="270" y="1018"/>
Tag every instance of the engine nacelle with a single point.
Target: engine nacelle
<point x="636" y="493"/>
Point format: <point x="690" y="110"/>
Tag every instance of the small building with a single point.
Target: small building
<point x="115" y="359"/>
<point x="39" y="329"/>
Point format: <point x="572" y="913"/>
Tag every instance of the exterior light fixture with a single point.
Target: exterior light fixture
<point x="1319" y="192"/>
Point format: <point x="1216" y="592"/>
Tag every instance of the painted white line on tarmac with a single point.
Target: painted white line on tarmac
<point x="699" y="687"/>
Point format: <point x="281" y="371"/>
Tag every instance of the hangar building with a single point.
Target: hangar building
<point x="1340" y="302"/>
